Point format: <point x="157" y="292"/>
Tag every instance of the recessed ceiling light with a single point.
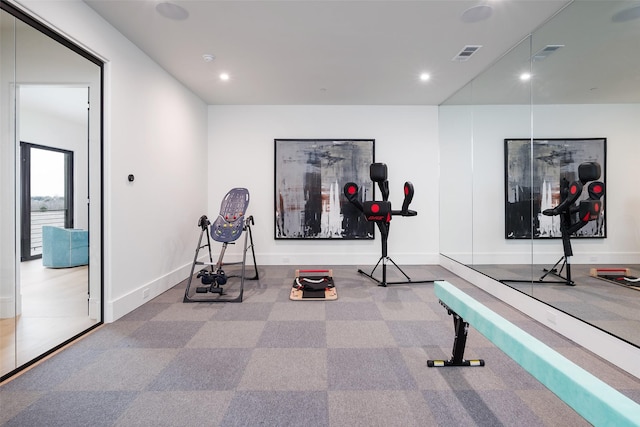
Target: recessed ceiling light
<point x="525" y="76"/>
<point x="424" y="77"/>
<point x="172" y="11"/>
<point x="224" y="77"/>
<point x="476" y="13"/>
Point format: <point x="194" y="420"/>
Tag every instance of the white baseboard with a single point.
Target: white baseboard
<point x="94" y="308"/>
<point x="347" y="258"/>
<point x="538" y="257"/>
<point x="7" y="307"/>
<point x="118" y="307"/>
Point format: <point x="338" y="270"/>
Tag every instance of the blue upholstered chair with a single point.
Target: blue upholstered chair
<point x="64" y="247"/>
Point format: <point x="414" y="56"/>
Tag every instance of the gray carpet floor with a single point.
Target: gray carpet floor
<point x="358" y="361"/>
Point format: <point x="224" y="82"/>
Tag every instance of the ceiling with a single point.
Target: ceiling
<point x="326" y="52"/>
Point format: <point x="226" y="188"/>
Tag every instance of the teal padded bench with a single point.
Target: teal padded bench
<point x="64" y="247"/>
<point x="597" y="402"/>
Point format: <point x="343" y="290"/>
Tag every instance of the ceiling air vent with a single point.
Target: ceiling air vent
<point x="546" y="51"/>
<point x="466" y="52"/>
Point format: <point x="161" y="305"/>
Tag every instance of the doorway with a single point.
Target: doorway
<point x="51" y="124"/>
<point x="46" y="194"/>
<point x="53" y="188"/>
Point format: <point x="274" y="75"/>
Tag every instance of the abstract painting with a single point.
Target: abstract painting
<point x="310" y="175"/>
<point x="533" y="177"/>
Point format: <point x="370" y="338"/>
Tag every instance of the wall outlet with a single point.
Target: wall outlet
<point x="551" y="317"/>
<point x="145" y="293"/>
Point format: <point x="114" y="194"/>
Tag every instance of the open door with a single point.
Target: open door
<point x="46" y="194"/>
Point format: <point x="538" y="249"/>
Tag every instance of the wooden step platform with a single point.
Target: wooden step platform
<point x="313" y="285"/>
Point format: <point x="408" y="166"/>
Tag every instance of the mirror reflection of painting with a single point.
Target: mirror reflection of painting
<point x="529" y="192"/>
<point x="309" y="177"/>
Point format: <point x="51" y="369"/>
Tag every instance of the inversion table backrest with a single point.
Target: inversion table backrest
<point x="228" y="225"/>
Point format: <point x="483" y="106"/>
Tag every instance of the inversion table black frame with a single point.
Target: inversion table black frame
<point x="215" y="268"/>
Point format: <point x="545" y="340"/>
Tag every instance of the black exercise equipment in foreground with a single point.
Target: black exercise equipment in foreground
<point x="227" y="228"/>
<point x="461" y="328"/>
<point x="381" y="213"/>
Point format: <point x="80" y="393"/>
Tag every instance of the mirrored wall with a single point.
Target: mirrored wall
<point x="513" y="139"/>
<point x="50" y="187"/>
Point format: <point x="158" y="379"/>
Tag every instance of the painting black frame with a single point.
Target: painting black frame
<point x="309" y="176"/>
<point x="526" y="192"/>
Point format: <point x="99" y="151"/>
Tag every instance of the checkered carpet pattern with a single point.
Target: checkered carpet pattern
<point x="358" y="361"/>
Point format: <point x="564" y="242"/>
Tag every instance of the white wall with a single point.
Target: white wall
<point x="42" y="127"/>
<point x="492" y="124"/>
<point x="155" y="129"/>
<point x="456" y="182"/>
<point x="241" y="154"/>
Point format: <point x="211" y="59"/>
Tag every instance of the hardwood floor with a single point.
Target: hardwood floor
<point x="54" y="309"/>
